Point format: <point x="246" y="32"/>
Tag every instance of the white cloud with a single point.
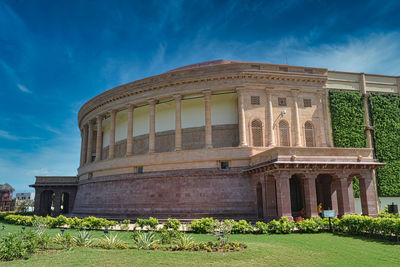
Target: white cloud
<point x="8" y="136"/>
<point x="23" y="88"/>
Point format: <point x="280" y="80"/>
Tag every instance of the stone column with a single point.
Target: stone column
<point x="178" y="122"/>
<point x="37" y="208"/>
<point x="57" y="203"/>
<point x="342" y="196"/>
<point x="129" y="136"/>
<point x="90" y="142"/>
<point x="321" y="119"/>
<point x="152" y="127"/>
<point x="83" y="145"/>
<point x="310" y="196"/>
<point x="351" y="195"/>
<point x="368" y="130"/>
<point x="283" y="196"/>
<point x="208" y="128"/>
<point x="270" y="120"/>
<point x="296" y="120"/>
<point x="111" y="147"/>
<point x="367" y="195"/>
<point x="242" y="118"/>
<point x="99" y="140"/>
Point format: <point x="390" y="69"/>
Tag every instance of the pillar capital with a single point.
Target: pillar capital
<point x="177" y="97"/>
<point x="207" y="92"/>
<point x="152" y="101"/>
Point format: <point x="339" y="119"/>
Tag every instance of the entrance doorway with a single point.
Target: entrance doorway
<point x="260" y="207"/>
<point x="296" y="195"/>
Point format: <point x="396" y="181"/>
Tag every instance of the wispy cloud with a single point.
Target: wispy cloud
<point x="8" y="136"/>
<point x="23" y="88"/>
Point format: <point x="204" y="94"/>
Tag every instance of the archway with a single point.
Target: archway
<point x="260" y="207"/>
<point x="46" y="202"/>
<point x="325" y="191"/>
<point x="296" y="195"/>
<point x="65" y="203"/>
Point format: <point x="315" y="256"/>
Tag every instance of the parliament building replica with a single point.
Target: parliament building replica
<point x="222" y="139"/>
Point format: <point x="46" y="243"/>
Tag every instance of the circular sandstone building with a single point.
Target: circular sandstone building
<point x="222" y="139"/>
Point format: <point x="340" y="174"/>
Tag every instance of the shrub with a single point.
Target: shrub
<point x="173" y="224"/>
<point x="204" y="225"/>
<point x="242" y="227"/>
<point x="152" y="223"/>
<point x="124" y="225"/>
<point x="19" y="220"/>
<point x="83" y="239"/>
<point x="18" y="246"/>
<point x="145" y="240"/>
<point x="184" y="242"/>
<point x="282" y="226"/>
<point x="65" y="240"/>
<point x="112" y="242"/>
<point x="168" y="237"/>
<point x="307" y="226"/>
<point x="261" y="228"/>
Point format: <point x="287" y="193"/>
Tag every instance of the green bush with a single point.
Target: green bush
<point x="150" y="222"/>
<point x="261" y="228"/>
<point x="17" y="246"/>
<point x="19" y="220"/>
<point x="359" y="225"/>
<point x="307" y="226"/>
<point x="204" y="225"/>
<point x="173" y="224"/>
<point x="242" y="227"/>
<point x="282" y="226"/>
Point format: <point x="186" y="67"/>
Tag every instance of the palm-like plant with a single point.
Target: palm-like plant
<point x="145" y="240"/>
<point x="83" y="239"/>
<point x="112" y="242"/>
<point x="184" y="242"/>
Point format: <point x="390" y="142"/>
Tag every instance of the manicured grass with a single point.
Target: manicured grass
<point x="273" y="250"/>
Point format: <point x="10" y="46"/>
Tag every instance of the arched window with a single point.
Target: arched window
<point x="257" y="133"/>
<point x="309" y="134"/>
<point x="284" y="133"/>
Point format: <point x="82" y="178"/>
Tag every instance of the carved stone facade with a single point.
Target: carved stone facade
<point x="224" y="139"/>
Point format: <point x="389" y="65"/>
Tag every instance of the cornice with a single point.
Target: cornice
<point x="195" y="76"/>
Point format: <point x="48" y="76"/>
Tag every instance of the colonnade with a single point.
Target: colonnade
<point x="87" y="130"/>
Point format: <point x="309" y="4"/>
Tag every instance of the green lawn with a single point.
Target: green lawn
<point x="273" y="250"/>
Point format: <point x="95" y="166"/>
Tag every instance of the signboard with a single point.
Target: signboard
<point x="328" y="213"/>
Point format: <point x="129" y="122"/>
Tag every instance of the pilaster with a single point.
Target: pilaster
<point x="99" y="138"/>
<point x="270" y="120"/>
<point x="90" y="143"/>
<point x="178" y="122"/>
<point x="241" y="117"/>
<point x="152" y="126"/>
<point x="129" y="138"/>
<point x="208" y="129"/>
<point x="111" y="149"/>
<point x="296" y="120"/>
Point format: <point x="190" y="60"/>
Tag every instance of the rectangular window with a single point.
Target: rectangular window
<point x="139" y="169"/>
<point x="282" y="101"/>
<point x="307" y="102"/>
<point x="224" y="165"/>
<point x="255" y="100"/>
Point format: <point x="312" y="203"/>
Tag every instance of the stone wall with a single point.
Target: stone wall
<point x="178" y="194"/>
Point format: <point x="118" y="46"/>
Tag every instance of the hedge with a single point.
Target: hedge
<point x="385" y="116"/>
<point x="386" y="225"/>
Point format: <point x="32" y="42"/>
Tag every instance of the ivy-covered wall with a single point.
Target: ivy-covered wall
<point x="347" y="116"/>
<point x="385" y="115"/>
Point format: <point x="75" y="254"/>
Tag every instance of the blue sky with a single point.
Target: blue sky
<point x="56" y="55"/>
